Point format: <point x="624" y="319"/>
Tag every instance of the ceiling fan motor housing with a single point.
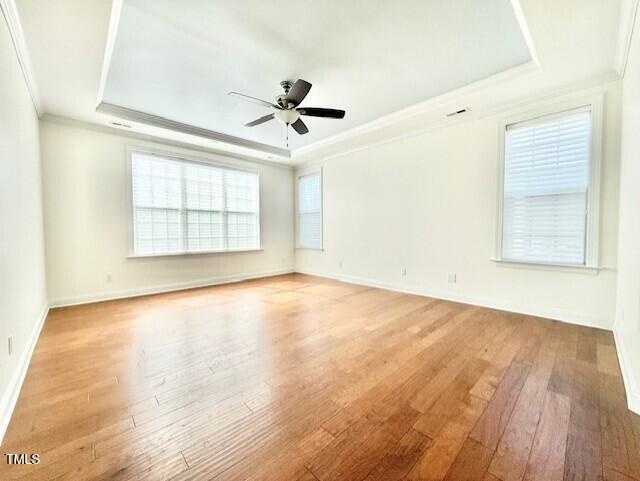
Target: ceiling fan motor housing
<point x="281" y="100"/>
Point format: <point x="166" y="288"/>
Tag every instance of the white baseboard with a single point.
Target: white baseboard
<point x="10" y="396"/>
<point x="556" y="314"/>
<point x="630" y="381"/>
<point x="108" y="296"/>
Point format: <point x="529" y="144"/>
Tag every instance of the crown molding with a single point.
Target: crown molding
<point x="158" y="121"/>
<point x="10" y="12"/>
<point x="164" y="123"/>
<point x="592" y="86"/>
<point x="628" y="14"/>
<point x="157" y="140"/>
<point x="533" y="66"/>
<point x="420" y="108"/>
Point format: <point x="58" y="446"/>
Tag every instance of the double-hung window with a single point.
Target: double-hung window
<point x="310" y="210"/>
<point x="549" y="189"/>
<point x="181" y="206"/>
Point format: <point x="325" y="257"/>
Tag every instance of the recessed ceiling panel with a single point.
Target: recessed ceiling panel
<point x="180" y="59"/>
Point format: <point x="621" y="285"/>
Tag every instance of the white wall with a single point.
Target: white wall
<point x="428" y="203"/>
<point x="627" y="328"/>
<point x="23" y="293"/>
<point x="87" y="222"/>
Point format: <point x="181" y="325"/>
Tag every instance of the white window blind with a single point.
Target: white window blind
<point x="546" y="186"/>
<point x="184" y="207"/>
<point x="310" y="211"/>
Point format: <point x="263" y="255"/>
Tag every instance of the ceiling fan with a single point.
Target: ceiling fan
<point x="287" y="106"/>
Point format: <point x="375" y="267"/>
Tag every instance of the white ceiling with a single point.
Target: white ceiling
<point x="172" y="61"/>
<point x="373" y="57"/>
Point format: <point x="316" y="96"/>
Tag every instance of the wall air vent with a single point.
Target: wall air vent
<point x="458" y="112"/>
<point x="119" y="124"/>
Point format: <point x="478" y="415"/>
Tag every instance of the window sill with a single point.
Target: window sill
<point x="580" y="269"/>
<point x="180" y="254"/>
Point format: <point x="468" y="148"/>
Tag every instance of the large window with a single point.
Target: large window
<point x="310" y="210"/>
<point x="548" y="183"/>
<point x="184" y="207"/>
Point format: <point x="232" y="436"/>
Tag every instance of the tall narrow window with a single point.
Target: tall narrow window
<point x="547" y="173"/>
<point x="181" y="206"/>
<point x="310" y="211"/>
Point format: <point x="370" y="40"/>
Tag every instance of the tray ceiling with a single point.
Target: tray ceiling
<point x="178" y="60"/>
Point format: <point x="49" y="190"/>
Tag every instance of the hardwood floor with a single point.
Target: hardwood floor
<point x="302" y="378"/>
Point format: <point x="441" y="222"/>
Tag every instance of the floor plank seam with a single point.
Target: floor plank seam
<point x="185" y="460"/>
<point x="248" y="374"/>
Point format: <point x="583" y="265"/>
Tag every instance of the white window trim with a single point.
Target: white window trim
<point x="595" y="103"/>
<point x="298" y="175"/>
<point x="131" y="149"/>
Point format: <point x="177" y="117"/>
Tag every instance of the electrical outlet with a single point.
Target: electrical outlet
<point x="10" y="344"/>
<point x="451" y="278"/>
<point x="340" y="264"/>
<point x="404" y="271"/>
<point x="109" y="279"/>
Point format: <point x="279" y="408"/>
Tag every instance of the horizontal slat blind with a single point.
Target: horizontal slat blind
<point x="242" y="207"/>
<point x="182" y="207"/>
<point x="204" y="206"/>
<point x="310" y="211"/>
<point x="546" y="179"/>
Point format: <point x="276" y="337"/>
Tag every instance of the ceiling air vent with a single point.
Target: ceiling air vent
<point x="458" y="112"/>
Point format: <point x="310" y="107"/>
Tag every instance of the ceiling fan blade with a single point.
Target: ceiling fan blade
<point x="300" y="127"/>
<point x="254" y="100"/>
<point x="320" y="112"/>
<point x="259" y="121"/>
<point x="298" y="92"/>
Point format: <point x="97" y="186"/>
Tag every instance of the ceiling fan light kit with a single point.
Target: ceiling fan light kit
<point x="287" y="110"/>
<point x="287" y="116"/>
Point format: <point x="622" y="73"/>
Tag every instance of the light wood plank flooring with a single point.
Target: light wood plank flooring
<point x="301" y="378"/>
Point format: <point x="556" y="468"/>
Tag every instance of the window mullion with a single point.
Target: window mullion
<point x="166" y="221"/>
